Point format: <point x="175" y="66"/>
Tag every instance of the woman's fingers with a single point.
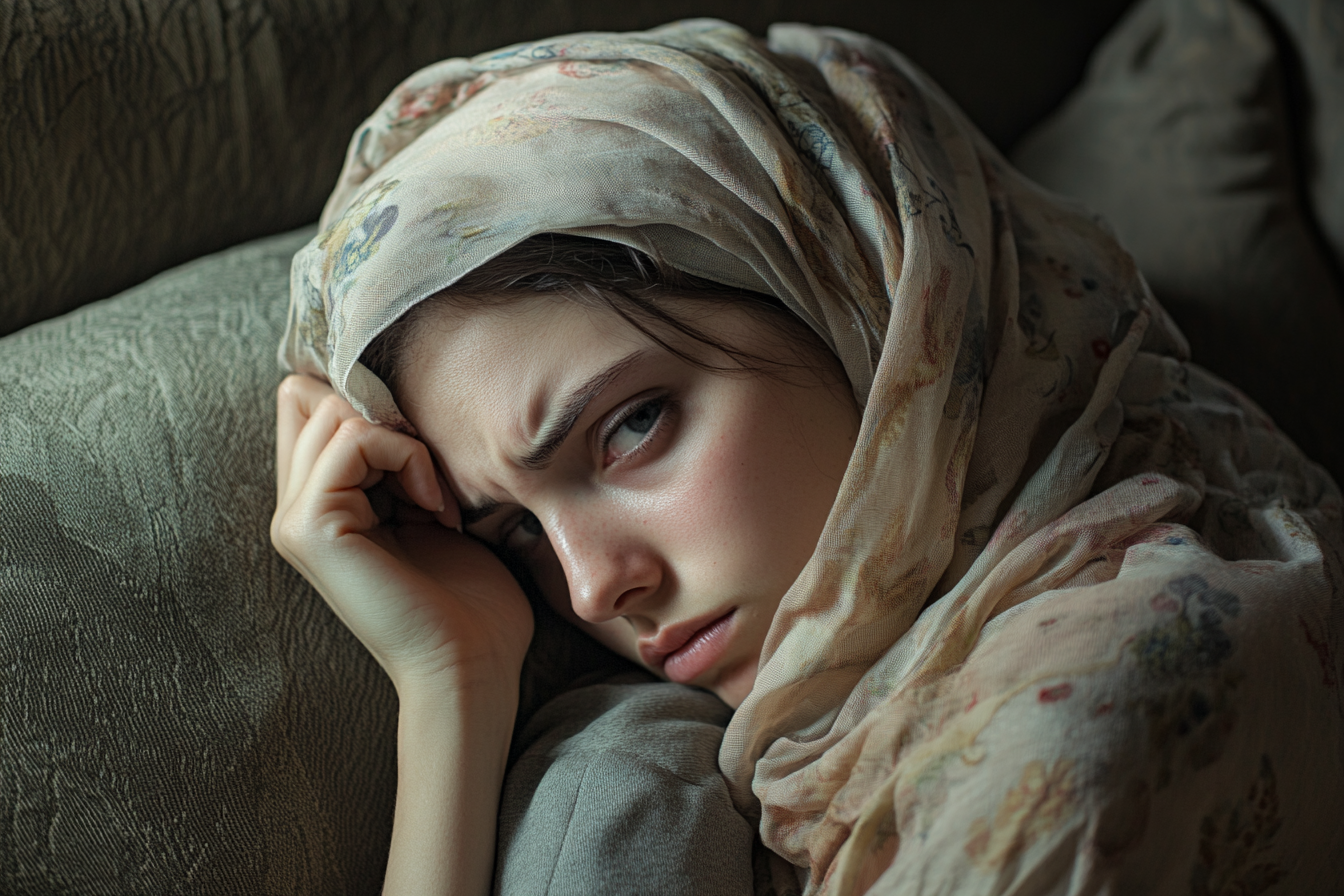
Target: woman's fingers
<point x="404" y="509"/>
<point x="450" y="514"/>
<point x="408" y="510"/>
<point x="324" y="446"/>
<point x="398" y="491"/>
<point x="357" y="448"/>
<point x="323" y="422"/>
<point x="296" y="401"/>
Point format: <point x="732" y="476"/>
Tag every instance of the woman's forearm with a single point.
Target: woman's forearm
<point x="452" y="747"/>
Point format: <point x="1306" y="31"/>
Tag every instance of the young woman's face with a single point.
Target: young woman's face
<point x="663" y="508"/>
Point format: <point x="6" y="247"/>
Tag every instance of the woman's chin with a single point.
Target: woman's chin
<point x="736" y="683"/>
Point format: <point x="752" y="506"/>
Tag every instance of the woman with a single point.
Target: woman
<point x="861" y="431"/>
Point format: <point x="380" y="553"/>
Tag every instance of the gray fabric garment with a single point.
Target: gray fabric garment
<point x="179" y="710"/>
<point x="135" y="136"/>
<point x="617" y="789"/>
<point x="1181" y="138"/>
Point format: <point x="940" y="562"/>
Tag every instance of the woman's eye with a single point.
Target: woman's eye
<point x="635" y="428"/>
<point x="524" y="534"/>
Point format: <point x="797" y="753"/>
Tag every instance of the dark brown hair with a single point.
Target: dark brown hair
<point x="601" y="274"/>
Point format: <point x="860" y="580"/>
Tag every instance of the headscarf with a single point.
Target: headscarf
<point x="1076" y="609"/>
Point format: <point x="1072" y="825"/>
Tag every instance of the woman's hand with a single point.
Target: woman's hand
<point x="436" y="608"/>
<point x="433" y="606"/>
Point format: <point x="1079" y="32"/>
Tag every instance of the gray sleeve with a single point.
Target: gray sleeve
<point x="617" y="789"/>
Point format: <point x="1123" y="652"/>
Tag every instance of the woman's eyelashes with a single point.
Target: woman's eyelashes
<point x="523" y="534"/>
<point x="629" y="432"/>
<point x="634" y="428"/>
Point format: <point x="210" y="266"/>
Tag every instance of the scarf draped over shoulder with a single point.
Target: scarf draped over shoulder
<point x="1075" y="620"/>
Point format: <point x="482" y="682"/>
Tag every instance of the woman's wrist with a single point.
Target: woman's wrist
<point x="488" y="686"/>
<point x="452" y="748"/>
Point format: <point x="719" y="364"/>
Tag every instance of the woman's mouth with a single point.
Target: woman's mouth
<point x="687" y="651"/>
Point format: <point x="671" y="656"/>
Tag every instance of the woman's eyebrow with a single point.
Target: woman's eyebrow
<point x="557" y="428"/>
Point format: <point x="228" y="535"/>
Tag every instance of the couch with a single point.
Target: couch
<point x="179" y="710"/>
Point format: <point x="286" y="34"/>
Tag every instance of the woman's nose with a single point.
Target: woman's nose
<point x="610" y="571"/>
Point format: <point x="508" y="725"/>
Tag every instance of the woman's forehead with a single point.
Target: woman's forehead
<point x="483" y="381"/>
<point x="460" y="350"/>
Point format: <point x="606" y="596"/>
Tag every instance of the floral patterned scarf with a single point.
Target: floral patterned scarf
<point x="1075" y="621"/>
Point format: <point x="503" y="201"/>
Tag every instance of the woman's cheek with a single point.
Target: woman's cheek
<point x="705" y="509"/>
<point x="728" y="509"/>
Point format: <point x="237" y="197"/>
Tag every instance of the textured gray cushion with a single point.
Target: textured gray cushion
<point x="137" y="135"/>
<point x="1181" y="137"/>
<point x="617" y="790"/>
<point x="179" y="711"/>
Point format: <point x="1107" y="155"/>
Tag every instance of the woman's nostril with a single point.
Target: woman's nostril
<point x="626" y="600"/>
<point x="617" y="589"/>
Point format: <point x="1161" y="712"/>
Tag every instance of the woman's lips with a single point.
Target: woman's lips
<point x="686" y="651"/>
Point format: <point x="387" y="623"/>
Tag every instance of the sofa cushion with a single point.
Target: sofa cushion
<point x="1311" y="35"/>
<point x="1181" y="138"/>
<point x="179" y="710"/>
